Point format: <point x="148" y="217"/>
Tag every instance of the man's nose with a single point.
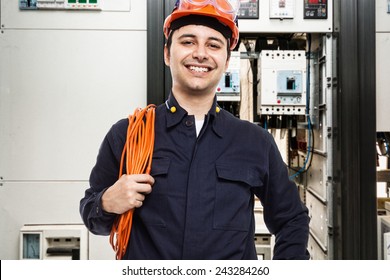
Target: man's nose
<point x="200" y="53"/>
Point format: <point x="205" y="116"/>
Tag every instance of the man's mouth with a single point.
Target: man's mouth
<point x="199" y="69"/>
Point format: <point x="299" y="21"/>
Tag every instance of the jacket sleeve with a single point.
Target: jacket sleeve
<point x="103" y="175"/>
<point x="284" y="213"/>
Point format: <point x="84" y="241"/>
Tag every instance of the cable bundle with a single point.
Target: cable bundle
<point x="137" y="156"/>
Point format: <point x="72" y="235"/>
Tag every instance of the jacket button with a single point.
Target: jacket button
<point x="189" y="123"/>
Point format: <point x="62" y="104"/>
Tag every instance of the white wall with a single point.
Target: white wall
<point x="65" y="78"/>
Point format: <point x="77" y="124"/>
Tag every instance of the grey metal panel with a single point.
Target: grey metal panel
<point x="330" y="89"/>
<point x="317" y="177"/>
<point x="319" y="220"/>
<point x="60" y="92"/>
<point x="316" y="252"/>
<point x="318" y="174"/>
<point x="320" y="133"/>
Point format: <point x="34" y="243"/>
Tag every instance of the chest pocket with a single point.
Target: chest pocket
<point x="160" y="166"/>
<point x="234" y="199"/>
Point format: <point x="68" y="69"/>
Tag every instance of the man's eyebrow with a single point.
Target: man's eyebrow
<point x="189" y="35"/>
<point x="186" y="35"/>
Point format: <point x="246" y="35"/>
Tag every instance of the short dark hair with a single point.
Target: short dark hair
<point x="169" y="43"/>
<point x="202" y="20"/>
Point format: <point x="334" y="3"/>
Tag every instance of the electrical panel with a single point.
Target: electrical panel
<point x="286" y="16"/>
<point x="229" y="84"/>
<point x="282" y="86"/>
<point x="59" y="4"/>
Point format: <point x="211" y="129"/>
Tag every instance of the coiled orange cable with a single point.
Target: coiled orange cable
<point x="137" y="156"/>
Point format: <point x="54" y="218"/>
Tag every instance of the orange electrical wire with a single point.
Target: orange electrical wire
<point x="137" y="157"/>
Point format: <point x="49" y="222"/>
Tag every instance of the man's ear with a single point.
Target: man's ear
<point x="166" y="56"/>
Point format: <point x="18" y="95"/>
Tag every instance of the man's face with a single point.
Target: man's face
<point x="197" y="59"/>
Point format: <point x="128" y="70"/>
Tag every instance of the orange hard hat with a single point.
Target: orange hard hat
<point x="225" y="11"/>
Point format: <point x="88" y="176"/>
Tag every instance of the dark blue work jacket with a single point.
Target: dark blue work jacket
<point x="201" y="205"/>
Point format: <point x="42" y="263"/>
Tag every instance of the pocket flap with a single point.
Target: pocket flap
<point x="242" y="173"/>
<point x="160" y="166"/>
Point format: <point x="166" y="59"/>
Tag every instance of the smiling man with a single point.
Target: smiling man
<point x="197" y="58"/>
<point x="207" y="166"/>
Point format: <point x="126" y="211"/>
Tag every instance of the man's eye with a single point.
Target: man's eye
<point x="215" y="46"/>
<point x="187" y="42"/>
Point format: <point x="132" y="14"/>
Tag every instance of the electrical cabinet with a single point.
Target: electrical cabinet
<point x="295" y="91"/>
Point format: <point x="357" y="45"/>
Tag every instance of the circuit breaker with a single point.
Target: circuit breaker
<point x="282" y="83"/>
<point x="230" y="81"/>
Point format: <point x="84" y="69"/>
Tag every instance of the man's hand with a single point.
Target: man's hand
<point x="127" y="193"/>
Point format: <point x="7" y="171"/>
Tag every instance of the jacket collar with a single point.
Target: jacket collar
<point x="214" y="118"/>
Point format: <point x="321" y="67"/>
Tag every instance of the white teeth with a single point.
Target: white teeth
<point x="199" y="69"/>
